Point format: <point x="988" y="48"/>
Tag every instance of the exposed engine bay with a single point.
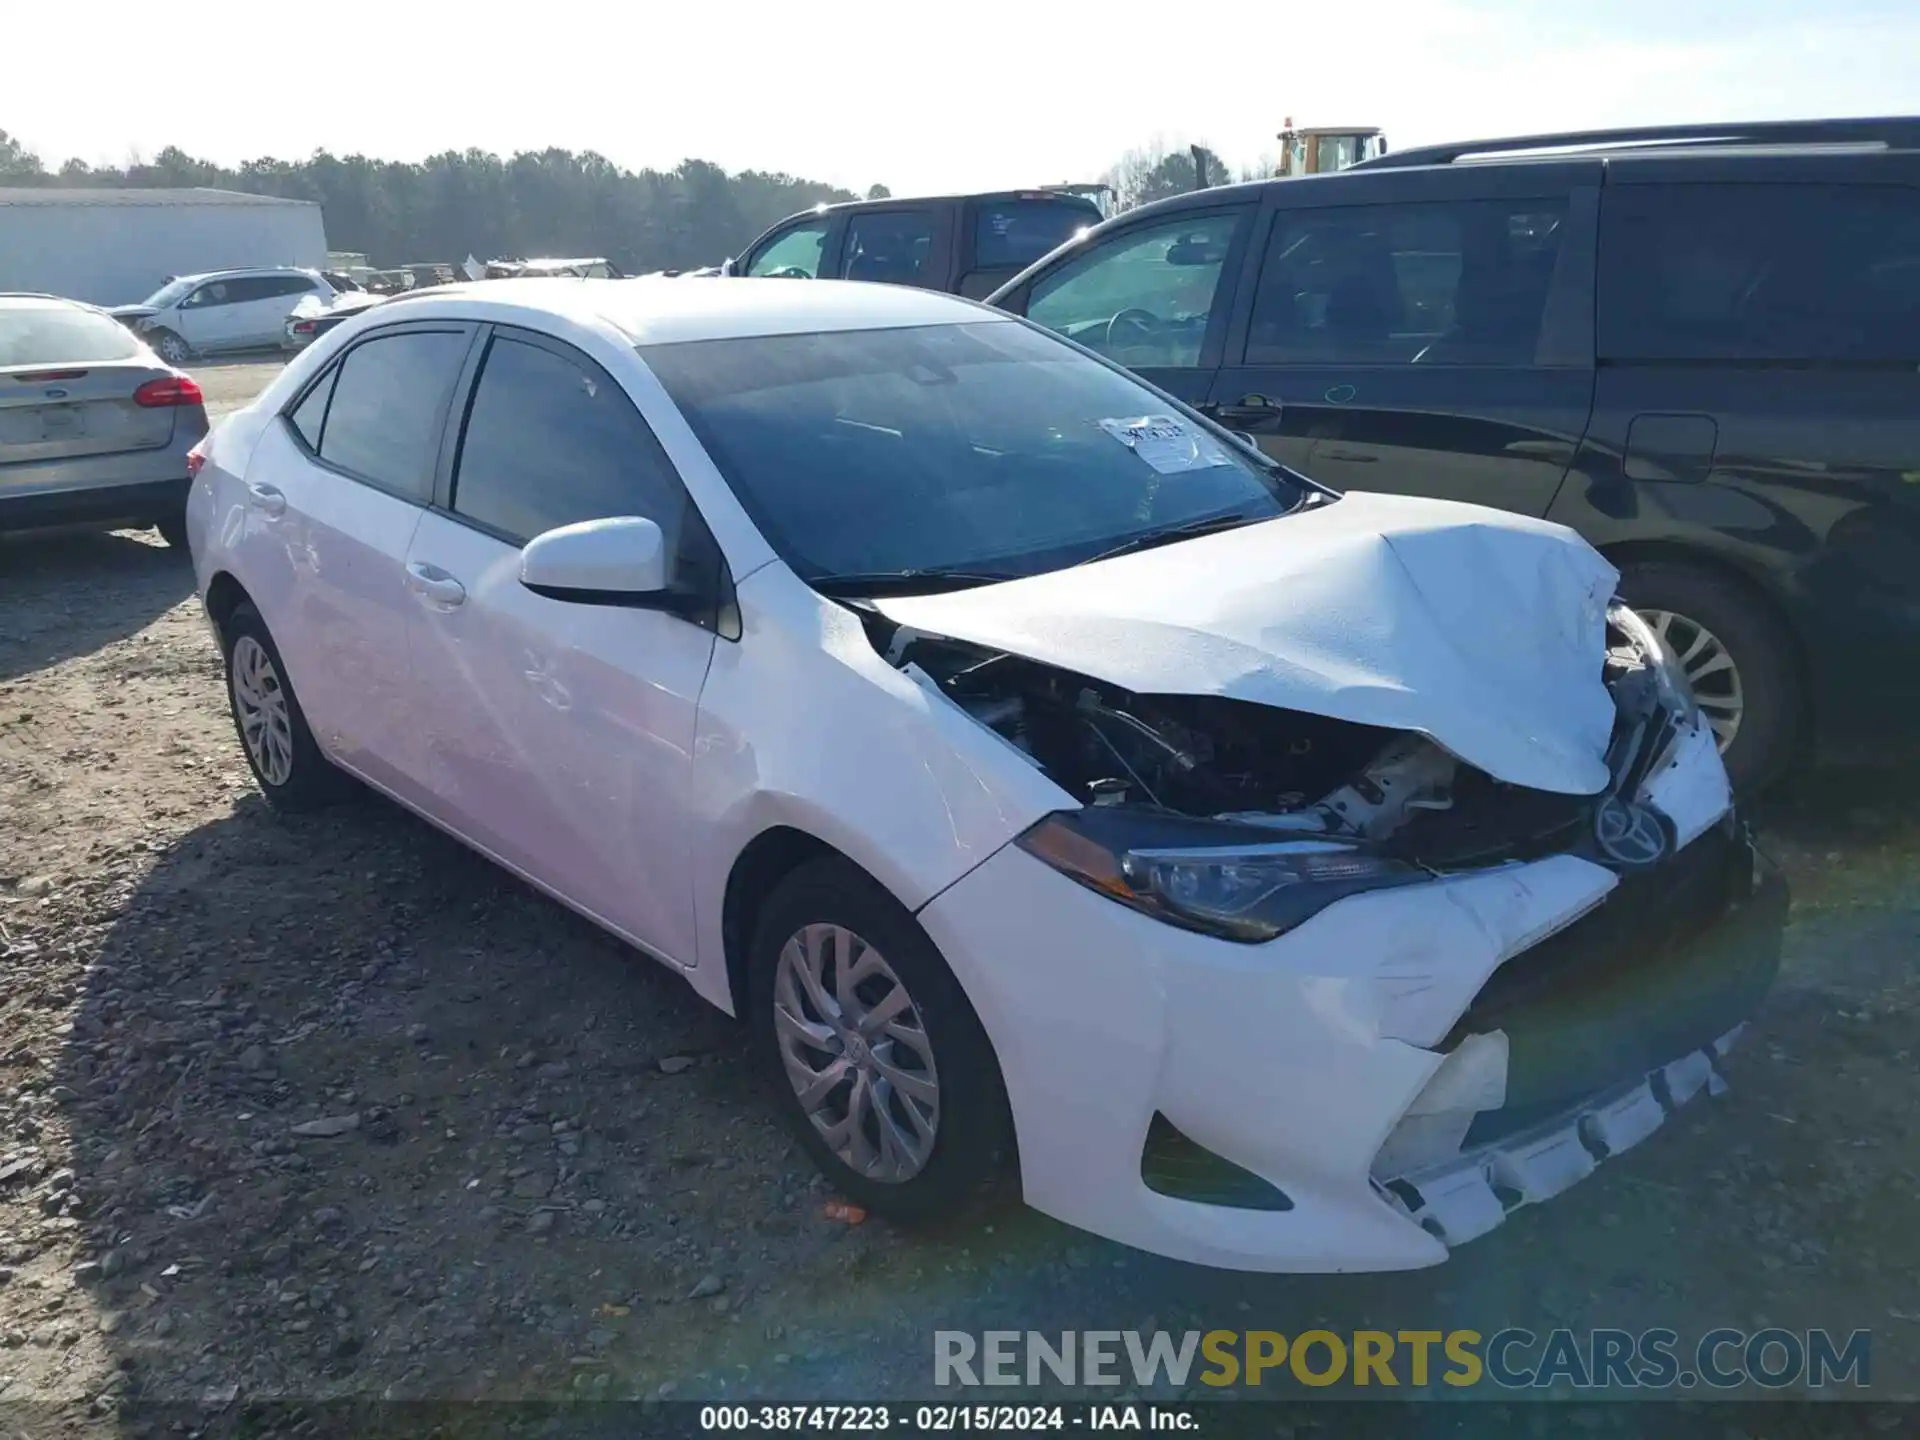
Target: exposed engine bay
<point x="1285" y="772"/>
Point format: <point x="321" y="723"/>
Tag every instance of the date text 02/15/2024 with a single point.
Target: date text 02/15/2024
<point x="945" y="1419"/>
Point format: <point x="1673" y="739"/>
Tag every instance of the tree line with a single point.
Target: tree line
<point x="547" y="202"/>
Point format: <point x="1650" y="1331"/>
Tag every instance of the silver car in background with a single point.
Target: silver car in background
<point x="223" y="311"/>
<point x="94" y="427"/>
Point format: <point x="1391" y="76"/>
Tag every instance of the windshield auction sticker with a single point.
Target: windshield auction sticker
<point x="1167" y="444"/>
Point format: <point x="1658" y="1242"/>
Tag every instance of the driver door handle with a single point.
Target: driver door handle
<point x="267" y="499"/>
<point x="1247" y="410"/>
<point x="434" y="585"/>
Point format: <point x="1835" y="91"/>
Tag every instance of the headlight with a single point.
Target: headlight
<point x="1676" y="691"/>
<point x="1207" y="875"/>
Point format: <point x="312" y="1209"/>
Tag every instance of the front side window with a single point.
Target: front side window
<point x="888" y="246"/>
<point x="1453" y="283"/>
<point x="1783" y="272"/>
<point x="1142" y="298"/>
<point x="550" y="441"/>
<point x="383" y="424"/>
<point x="988" y="448"/>
<point x="220" y="292"/>
<point x="793" y="254"/>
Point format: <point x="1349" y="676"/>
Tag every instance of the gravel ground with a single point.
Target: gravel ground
<point x="332" y="1107"/>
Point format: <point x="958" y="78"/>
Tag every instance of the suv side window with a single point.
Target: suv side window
<point x="1780" y="272"/>
<point x="1453" y="283"/>
<point x="795" y="251"/>
<point x="388" y="403"/>
<point x="1144" y="297"/>
<point x="550" y="441"/>
<point x="286" y="285"/>
<point x="890" y="246"/>
<point x="216" y="292"/>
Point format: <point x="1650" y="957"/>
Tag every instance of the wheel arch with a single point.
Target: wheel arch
<point x="763" y="863"/>
<point x="225" y="595"/>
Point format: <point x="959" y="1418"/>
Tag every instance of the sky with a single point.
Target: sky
<point x="921" y="97"/>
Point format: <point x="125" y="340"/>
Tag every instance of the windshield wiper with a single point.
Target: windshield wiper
<point x="904" y="582"/>
<point x="1204" y="526"/>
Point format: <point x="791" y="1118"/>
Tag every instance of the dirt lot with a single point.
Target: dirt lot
<point x="532" y="1203"/>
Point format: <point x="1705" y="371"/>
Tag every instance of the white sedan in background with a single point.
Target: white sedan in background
<point x="1056" y="788"/>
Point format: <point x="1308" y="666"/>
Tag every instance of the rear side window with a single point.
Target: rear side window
<point x="1012" y="234"/>
<point x="1759" y="272"/>
<point x="388" y="399"/>
<point x="550" y="441"/>
<point x="1454" y="283"/>
<point x="62" y="335"/>
<point x="889" y="246"/>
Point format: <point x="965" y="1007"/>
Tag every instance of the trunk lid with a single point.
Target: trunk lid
<point x="65" y="412"/>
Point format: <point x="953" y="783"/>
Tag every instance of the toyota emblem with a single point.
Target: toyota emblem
<point x="1630" y="834"/>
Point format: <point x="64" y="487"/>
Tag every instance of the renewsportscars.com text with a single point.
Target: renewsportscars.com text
<point x="1413" y="1359"/>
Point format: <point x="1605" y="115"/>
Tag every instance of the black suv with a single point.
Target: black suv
<point x="963" y="244"/>
<point x="1698" y="348"/>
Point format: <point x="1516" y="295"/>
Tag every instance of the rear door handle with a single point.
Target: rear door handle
<point x="267" y="499"/>
<point x="434" y="585"/>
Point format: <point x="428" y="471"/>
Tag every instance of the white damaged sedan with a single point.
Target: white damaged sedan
<point x="1267" y="877"/>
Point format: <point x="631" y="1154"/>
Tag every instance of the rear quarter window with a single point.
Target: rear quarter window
<point x="1760" y="272"/>
<point x="1015" y="233"/>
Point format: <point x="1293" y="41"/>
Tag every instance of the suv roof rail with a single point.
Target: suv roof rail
<point x="1891" y="132"/>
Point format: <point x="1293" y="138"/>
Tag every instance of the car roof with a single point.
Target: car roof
<point x="246" y="271"/>
<point x="28" y="300"/>
<point x="655" y="310"/>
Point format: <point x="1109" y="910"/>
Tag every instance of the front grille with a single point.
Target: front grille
<point x="1172" y="1164"/>
<point x="1673" y="958"/>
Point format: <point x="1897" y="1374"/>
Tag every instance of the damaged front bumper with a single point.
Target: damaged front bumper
<point x="1300" y="1105"/>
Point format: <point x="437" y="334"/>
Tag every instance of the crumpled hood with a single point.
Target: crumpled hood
<point x="1482" y="630"/>
<point x="132" y="312"/>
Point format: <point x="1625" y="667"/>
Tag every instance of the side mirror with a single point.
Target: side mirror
<point x="620" y="561"/>
<point x="1193" y="251"/>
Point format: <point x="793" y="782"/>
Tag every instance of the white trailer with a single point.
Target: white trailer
<point x="116" y="247"/>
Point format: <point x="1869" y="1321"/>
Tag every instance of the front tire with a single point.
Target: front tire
<point x="280" y="748"/>
<point x="1740" y="660"/>
<point x="881" y="1067"/>
<point x="171" y="348"/>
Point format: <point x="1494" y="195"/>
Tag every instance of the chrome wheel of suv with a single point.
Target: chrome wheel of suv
<point x="260" y="704"/>
<point x="171" y="348"/>
<point x="1710" y="670"/>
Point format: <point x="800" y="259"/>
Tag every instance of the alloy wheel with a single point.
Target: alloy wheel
<point x="856" y="1052"/>
<point x="172" y="349"/>
<point x="1709" y="669"/>
<point x="260" y="701"/>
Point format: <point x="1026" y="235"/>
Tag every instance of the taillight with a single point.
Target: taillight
<point x="196" y="457"/>
<point x="38" y="377"/>
<point x="171" y="390"/>
<point x="303" y="327"/>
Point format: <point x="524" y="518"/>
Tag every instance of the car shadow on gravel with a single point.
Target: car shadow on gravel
<point x="351" y="1111"/>
<point x="66" y="593"/>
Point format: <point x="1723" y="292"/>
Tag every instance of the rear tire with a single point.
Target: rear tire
<point x="1745" y="669"/>
<point x="928" y="1069"/>
<point x="280" y="748"/>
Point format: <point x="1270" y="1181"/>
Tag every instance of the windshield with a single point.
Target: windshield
<point x="989" y="448"/>
<point x="168" y="293"/>
<point x="1015" y="233"/>
<point x="59" y="335"/>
